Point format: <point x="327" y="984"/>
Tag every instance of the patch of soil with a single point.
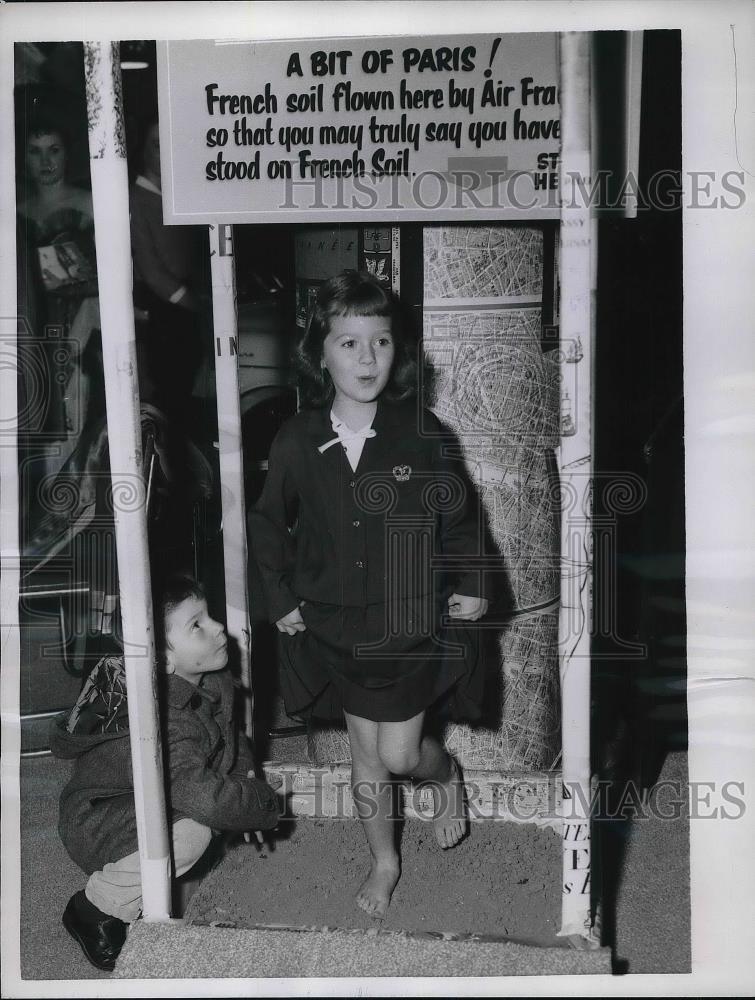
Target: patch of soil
<point x="503" y="879"/>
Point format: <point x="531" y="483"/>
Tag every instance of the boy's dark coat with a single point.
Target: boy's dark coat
<point x="206" y="767"/>
<point x="338" y="555"/>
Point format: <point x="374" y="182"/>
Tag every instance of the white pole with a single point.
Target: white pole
<point x="632" y="107"/>
<point x="575" y="460"/>
<point x="225" y="325"/>
<point x="107" y="151"/>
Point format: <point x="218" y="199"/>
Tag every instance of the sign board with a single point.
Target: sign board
<point x="435" y="128"/>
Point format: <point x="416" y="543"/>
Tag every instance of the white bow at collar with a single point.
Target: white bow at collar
<point x="345" y="435"/>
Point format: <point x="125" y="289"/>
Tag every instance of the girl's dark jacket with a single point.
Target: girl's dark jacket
<point x="206" y="768"/>
<point x="409" y="479"/>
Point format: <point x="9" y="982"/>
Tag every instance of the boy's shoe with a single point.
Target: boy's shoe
<point x="101" y="937"/>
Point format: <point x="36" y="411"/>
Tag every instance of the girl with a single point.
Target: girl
<point x="356" y="588"/>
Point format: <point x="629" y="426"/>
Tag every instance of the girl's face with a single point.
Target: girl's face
<point x="358" y="352"/>
<point x="46" y="158"/>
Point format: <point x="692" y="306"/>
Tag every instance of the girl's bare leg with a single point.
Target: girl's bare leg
<point x="373" y="796"/>
<point x="404" y="750"/>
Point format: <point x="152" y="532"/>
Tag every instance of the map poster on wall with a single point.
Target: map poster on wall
<point x="457" y="128"/>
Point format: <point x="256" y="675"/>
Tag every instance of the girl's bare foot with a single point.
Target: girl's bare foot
<point x="450" y="819"/>
<point x="377" y="889"/>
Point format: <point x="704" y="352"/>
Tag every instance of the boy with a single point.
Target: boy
<point x="210" y="787"/>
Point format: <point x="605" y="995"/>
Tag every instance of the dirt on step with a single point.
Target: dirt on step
<point x="502" y="879"/>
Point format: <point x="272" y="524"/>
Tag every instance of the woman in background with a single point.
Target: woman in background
<point x="56" y="229"/>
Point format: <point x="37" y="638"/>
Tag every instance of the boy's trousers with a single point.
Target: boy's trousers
<point x="117" y="888"/>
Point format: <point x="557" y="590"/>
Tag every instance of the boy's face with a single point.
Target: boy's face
<point x="195" y="643"/>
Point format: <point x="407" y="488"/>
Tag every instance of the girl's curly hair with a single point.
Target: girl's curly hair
<point x="353" y="293"/>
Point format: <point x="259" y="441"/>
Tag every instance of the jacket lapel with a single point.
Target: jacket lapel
<point x="394" y="438"/>
<point x="333" y="460"/>
<point x="325" y="471"/>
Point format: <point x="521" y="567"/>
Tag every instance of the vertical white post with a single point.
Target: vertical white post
<point x="107" y="151"/>
<point x="632" y="106"/>
<point x="231" y="458"/>
<point x="575" y="460"/>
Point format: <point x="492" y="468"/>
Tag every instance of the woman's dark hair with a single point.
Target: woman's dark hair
<point x="46" y="122"/>
<point x="37" y="122"/>
<point x="353" y="293"/>
<point x="168" y="593"/>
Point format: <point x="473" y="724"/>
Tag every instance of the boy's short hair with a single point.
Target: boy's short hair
<point x="168" y="593"/>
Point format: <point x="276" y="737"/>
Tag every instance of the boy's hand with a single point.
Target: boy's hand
<point x="257" y="834"/>
<point x="468" y="609"/>
<point x="291" y="623"/>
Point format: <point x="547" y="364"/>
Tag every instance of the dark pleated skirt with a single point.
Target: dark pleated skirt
<point x="381" y="663"/>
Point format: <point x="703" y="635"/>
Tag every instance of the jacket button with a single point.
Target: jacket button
<point x="352" y="483"/>
<point x="355" y="523"/>
<point x="360" y="564"/>
<point x="195" y="701"/>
